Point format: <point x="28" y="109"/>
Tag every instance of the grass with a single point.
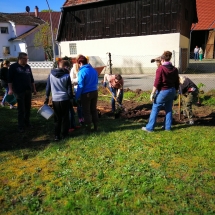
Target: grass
<point x="119" y="170"/>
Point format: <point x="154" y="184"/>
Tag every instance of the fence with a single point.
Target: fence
<point x="139" y="72"/>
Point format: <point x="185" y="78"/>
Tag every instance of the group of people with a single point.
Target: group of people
<point x="18" y="79"/>
<point x="59" y="84"/>
<point x="198" y="53"/>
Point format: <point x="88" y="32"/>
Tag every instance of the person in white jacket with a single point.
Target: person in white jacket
<point x="74" y="79"/>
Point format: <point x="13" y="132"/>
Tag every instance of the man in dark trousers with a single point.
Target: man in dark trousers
<point x="59" y="84"/>
<point x="21" y="82"/>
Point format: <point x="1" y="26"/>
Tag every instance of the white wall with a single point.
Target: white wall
<point x="127" y="51"/>
<point x="184" y="42"/>
<point x="21" y="29"/>
<point x="5" y="37"/>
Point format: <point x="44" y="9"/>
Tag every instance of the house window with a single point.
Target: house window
<point x="4" y="30"/>
<point x="6" y="50"/>
<point x="14" y="47"/>
<point x="73" y="48"/>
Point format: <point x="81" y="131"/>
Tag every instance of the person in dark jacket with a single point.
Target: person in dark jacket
<point x="59" y="84"/>
<point x="190" y="92"/>
<point x="88" y="93"/>
<point x="4" y="80"/>
<point x="164" y="91"/>
<point x="21" y="82"/>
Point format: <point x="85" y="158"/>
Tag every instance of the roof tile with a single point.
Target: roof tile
<point x="206" y="15"/>
<point x="69" y="3"/>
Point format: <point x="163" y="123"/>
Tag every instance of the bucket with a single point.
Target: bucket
<point x="46" y="112"/>
<point x="11" y="99"/>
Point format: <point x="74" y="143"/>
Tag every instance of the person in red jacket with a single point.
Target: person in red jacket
<point x="164" y="91"/>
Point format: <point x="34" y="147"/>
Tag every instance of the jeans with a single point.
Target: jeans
<point x="114" y="93"/>
<point x="89" y="102"/>
<point x="61" y="117"/>
<point x="163" y="99"/>
<point x="6" y="92"/>
<point x="196" y="56"/>
<point x="24" y="108"/>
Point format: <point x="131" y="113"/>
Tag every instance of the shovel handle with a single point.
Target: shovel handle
<point x="179" y="106"/>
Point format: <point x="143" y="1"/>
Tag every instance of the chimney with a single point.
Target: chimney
<point x="36" y="11"/>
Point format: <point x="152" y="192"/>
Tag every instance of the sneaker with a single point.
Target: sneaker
<point x="71" y="130"/>
<point x="191" y="122"/>
<point x="29" y="126"/>
<point x="57" y="138"/>
<point x="21" y="130"/>
<point x="2" y="104"/>
<point x="12" y="107"/>
<point x="144" y="129"/>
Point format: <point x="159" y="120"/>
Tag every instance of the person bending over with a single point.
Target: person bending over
<point x="116" y="87"/>
<point x="190" y="93"/>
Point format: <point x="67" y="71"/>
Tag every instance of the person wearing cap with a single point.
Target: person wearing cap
<point x="116" y="87"/>
<point x="163" y="93"/>
<point x="157" y="60"/>
<point x="190" y="93"/>
<point x="87" y="91"/>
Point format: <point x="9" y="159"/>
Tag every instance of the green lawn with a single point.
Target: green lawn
<point x="119" y="170"/>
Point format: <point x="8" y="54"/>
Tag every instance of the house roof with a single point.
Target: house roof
<point x="69" y="3"/>
<point x="20" y="19"/>
<point x="46" y="17"/>
<point x="206" y="15"/>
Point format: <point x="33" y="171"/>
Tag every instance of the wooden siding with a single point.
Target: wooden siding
<point x="125" y="18"/>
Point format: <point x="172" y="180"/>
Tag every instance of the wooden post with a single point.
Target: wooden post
<point x="110" y="64"/>
<point x="179" y="106"/>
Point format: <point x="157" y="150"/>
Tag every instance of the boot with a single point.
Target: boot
<point x="87" y="128"/>
<point x="95" y="127"/>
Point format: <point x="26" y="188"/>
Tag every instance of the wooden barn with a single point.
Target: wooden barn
<point x="126" y="28"/>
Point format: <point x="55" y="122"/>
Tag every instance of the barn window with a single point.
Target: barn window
<point x="186" y="14"/>
<point x="73" y="48"/>
<point x="4" y="30"/>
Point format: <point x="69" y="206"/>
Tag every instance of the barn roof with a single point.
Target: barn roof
<point x="206" y="15"/>
<point x="69" y="3"/>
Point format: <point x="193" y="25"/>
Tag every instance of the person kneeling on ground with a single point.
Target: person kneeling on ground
<point x="190" y="92"/>
<point x="59" y="84"/>
<point x="87" y="90"/>
<point x="163" y="93"/>
<point x="116" y="87"/>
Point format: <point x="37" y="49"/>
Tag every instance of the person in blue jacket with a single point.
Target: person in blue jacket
<point x="87" y="91"/>
<point x="59" y="84"/>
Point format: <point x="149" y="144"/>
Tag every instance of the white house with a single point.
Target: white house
<point x="127" y="29"/>
<point x="17" y="31"/>
<point x="12" y="26"/>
